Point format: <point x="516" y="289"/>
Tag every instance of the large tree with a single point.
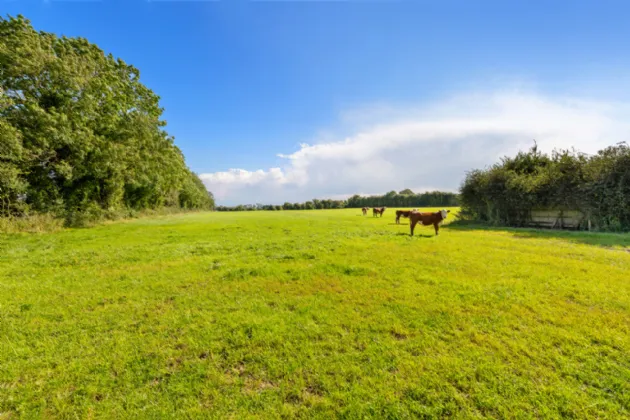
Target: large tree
<point x="78" y="129"/>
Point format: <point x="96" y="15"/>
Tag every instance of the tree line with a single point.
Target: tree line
<point x="598" y="186"/>
<point x="405" y="198"/>
<point x="80" y="134"/>
<point x="308" y="205"/>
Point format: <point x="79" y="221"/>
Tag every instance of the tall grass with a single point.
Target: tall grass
<point x="49" y="223"/>
<point x="38" y="223"/>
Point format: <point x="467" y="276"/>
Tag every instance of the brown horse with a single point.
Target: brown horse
<point x="378" y="210"/>
<point x="427" y="219"/>
<point x="365" y="210"/>
<point x="403" y="213"/>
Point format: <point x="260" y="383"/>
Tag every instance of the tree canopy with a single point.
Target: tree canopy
<point x="80" y="132"/>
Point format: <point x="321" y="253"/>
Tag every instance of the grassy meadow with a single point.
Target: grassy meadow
<point x="312" y="314"/>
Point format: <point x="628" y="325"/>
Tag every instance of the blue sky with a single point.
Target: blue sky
<point x="245" y="81"/>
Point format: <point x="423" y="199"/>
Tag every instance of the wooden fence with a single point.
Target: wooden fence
<point x="559" y="219"/>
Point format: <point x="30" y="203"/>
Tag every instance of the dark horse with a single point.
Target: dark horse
<point x="403" y="213"/>
<point x="427" y="219"/>
<point x="378" y="210"/>
<point x="365" y="210"/>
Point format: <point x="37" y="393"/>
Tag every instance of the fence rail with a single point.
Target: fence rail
<point x="559" y="219"/>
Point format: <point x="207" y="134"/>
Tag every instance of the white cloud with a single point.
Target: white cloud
<point x="426" y="148"/>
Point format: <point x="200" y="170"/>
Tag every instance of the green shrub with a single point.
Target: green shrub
<point x="506" y="193"/>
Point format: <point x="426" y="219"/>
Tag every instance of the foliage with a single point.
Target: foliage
<point x="608" y="188"/>
<point x="312" y="314"/>
<point x="80" y="135"/>
<point x="507" y="192"/>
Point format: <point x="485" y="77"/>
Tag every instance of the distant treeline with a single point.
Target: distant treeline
<point x="598" y="186"/>
<point x="308" y="205"/>
<point x="80" y="136"/>
<point x="405" y="198"/>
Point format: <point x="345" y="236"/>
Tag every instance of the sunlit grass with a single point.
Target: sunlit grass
<point x="312" y="314"/>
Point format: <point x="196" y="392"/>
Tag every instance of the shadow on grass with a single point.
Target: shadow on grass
<point x="603" y="239"/>
<point x="416" y="235"/>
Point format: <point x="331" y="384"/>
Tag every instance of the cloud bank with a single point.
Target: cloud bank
<point x="425" y="148"/>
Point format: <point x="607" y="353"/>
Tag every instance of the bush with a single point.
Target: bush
<point x="507" y="192"/>
<point x="85" y="217"/>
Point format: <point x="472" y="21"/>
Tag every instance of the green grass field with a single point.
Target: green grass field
<point x="314" y="314"/>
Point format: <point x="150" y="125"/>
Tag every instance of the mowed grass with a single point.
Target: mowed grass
<point x="312" y="314"/>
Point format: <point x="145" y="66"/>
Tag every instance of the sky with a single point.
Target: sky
<point x="274" y="101"/>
